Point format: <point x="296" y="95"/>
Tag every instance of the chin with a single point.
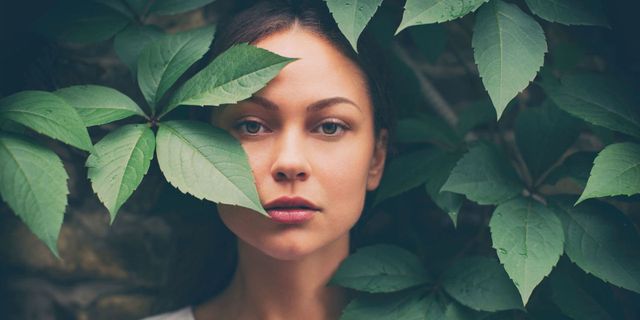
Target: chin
<point x="287" y="249"/>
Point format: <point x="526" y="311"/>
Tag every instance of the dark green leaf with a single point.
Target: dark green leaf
<point x="34" y="185"/>
<point x="207" y="163"/>
<point x="482" y="284"/>
<point x="119" y="163"/>
<point x="438" y="170"/>
<point x="602" y="241"/>
<point x="430" y="39"/>
<point x="233" y="76"/>
<point x="616" y="171"/>
<point x="578" y="12"/>
<point x="404" y="173"/>
<point x="169" y="7"/>
<point x="352" y="16"/>
<point x="484" y="175"/>
<point x="82" y="22"/>
<point x="543" y="135"/>
<point x="380" y="268"/>
<point x="426" y="128"/>
<point x="162" y="62"/>
<point x="528" y="237"/>
<point x="478" y="113"/>
<point x="48" y="114"/>
<point x="509" y="47"/>
<point x="129" y="43"/>
<point x="576" y="167"/>
<point x="403" y="305"/>
<point x="98" y="105"/>
<point x="601" y="100"/>
<point x="417" y="12"/>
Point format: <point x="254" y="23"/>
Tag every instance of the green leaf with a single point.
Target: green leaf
<point x="602" y="241"/>
<point x="99" y="105"/>
<point x="439" y="168"/>
<point x="600" y="100"/>
<point x="426" y="128"/>
<point x="119" y="163"/>
<point x="573" y="298"/>
<point x="82" y="22"/>
<point x="129" y="43"/>
<point x="430" y="40"/>
<point x="616" y="171"/>
<point x="543" y="135"/>
<point x="404" y="173"/>
<point x="411" y="305"/>
<point x="484" y="175"/>
<point x="481" y="283"/>
<point x="509" y="47"/>
<point x="47" y="114"/>
<point x="528" y="238"/>
<point x="34" y="185"/>
<point x="207" y="163"/>
<point x="576" y="167"/>
<point x="478" y="113"/>
<point x="162" y="62"/>
<point x="352" y="16"/>
<point x="170" y="7"/>
<point x="570" y="12"/>
<point x="417" y="12"/>
<point x="233" y="76"/>
<point x="380" y="268"/>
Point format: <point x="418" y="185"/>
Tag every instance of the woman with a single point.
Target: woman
<point x="316" y="141"/>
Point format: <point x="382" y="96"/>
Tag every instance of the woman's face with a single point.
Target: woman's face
<point x="309" y="134"/>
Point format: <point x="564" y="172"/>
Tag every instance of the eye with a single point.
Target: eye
<point x="332" y="127"/>
<point x="250" y="127"/>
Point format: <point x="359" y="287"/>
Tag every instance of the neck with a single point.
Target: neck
<point x="267" y="288"/>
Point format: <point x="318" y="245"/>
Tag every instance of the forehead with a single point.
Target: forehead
<point x="320" y="72"/>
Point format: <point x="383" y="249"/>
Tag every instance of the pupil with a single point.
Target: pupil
<point x="253" y="127"/>
<point x="329" y="128"/>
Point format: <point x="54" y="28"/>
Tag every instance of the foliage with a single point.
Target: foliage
<point x="550" y="210"/>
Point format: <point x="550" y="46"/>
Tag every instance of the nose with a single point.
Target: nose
<point x="290" y="163"/>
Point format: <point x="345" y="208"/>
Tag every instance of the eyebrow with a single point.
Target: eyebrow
<point x="314" y="107"/>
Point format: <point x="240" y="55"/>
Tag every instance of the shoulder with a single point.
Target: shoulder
<point x="185" y="313"/>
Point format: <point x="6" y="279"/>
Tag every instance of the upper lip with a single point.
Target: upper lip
<point x="291" y="202"/>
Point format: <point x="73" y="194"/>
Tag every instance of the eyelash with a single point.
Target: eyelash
<point x="342" y="127"/>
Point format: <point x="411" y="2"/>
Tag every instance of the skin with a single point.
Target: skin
<point x="308" y="133"/>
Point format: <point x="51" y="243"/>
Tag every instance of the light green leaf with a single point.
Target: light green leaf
<point x="162" y="62"/>
<point x="602" y="241"/>
<point x="417" y="12"/>
<point x="233" y="76"/>
<point x="34" y="185"/>
<point x="129" y="43"/>
<point x="99" y="105"/>
<point x="119" y="163"/>
<point x="352" y="16"/>
<point x="47" y="114"/>
<point x="576" y="167"/>
<point x="404" y="173"/>
<point x="600" y="100"/>
<point x="616" y="171"/>
<point x="543" y="135"/>
<point x="169" y="7"/>
<point x="439" y="169"/>
<point x="570" y="12"/>
<point x="411" y="305"/>
<point x="509" y="47"/>
<point x="484" y="175"/>
<point x="528" y="238"/>
<point x="207" y="163"/>
<point x="380" y="268"/>
<point x="481" y="283"/>
<point x="82" y="21"/>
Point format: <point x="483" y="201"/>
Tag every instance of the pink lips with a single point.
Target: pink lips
<point x="291" y="210"/>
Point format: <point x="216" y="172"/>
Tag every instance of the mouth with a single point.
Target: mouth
<point x="291" y="210"/>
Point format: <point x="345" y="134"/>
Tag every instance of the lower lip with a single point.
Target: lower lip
<point x="291" y="216"/>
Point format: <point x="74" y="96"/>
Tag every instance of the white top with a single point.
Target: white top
<point x="185" y="313"/>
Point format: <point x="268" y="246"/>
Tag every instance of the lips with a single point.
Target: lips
<point x="291" y="210"/>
